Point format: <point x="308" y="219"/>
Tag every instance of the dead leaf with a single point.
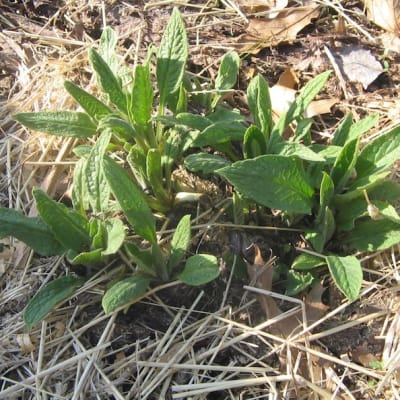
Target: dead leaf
<point x="263" y="32"/>
<point x="384" y="13"/>
<point x="253" y="6"/>
<point x="359" y="65"/>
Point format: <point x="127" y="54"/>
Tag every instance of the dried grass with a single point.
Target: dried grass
<point x="56" y="360"/>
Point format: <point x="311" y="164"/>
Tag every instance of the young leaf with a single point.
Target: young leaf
<point x="155" y="176"/>
<point x="296" y="149"/>
<point x="61" y="123"/>
<point x="272" y="181"/>
<point x="97" y="187"/>
<point x="123" y="292"/>
<point x="141" y="99"/>
<point x="324" y="229"/>
<point x="94" y="107"/>
<point x="108" y="81"/>
<point x="254" y="143"/>
<point x="220" y="132"/>
<point x="131" y="200"/>
<point x="228" y="71"/>
<point x="80" y="195"/>
<point x="48" y="297"/>
<point x="343" y="130"/>
<point x="143" y="258"/>
<point x="260" y="104"/>
<point x="344" y="164"/>
<point x="199" y="269"/>
<point x="297" y="282"/>
<point x="107" y="44"/>
<point x="205" y="162"/>
<point x="171" y="57"/>
<point x="69" y="227"/>
<point x="379" y="154"/>
<point x="180" y="243"/>
<point x="32" y="231"/>
<point x="369" y="235"/>
<point x="115" y="236"/>
<point x="347" y="274"/>
<point x="305" y="262"/>
<point x="121" y="128"/>
<point x="88" y="258"/>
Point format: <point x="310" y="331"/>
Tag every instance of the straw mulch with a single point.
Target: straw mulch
<point x="177" y="343"/>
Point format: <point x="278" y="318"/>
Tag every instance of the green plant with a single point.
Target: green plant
<point x="321" y="188"/>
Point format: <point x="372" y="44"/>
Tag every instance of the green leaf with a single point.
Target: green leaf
<point x="180" y="242"/>
<point x="298" y="150"/>
<point x="199" y="269"/>
<point x="171" y="57"/>
<point x="108" y="81"/>
<point x="94" y="107"/>
<point x="260" y="104"/>
<point x="222" y="114"/>
<point x="141" y="99"/>
<point x="324" y="229"/>
<point x="228" y="71"/>
<point x="61" y="123"/>
<point x="379" y="154"/>
<point x="97" y="186"/>
<point x="220" y="132"/>
<point x="121" y="128"/>
<point x="115" y="236"/>
<point x="369" y="235"/>
<point x="155" y="176"/>
<point x="32" y="231"/>
<point x="326" y="191"/>
<point x="80" y="195"/>
<point x="347" y="274"/>
<point x="297" y="282"/>
<point x="131" y="200"/>
<point x="48" y="297"/>
<point x="123" y="292"/>
<point x="69" y="227"/>
<point x="88" y="258"/>
<point x="344" y="164"/>
<point x="343" y="130"/>
<point x="143" y="258"/>
<point x="362" y="126"/>
<point x="305" y="262"/>
<point x="273" y="181"/>
<point x="254" y="143"/>
<point x="194" y="121"/>
<point x="107" y="44"/>
<point x="205" y="163"/>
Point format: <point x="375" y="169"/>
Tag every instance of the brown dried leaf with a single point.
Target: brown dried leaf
<point x="263" y="32"/>
<point x="359" y="65"/>
<point x="384" y="13"/>
<point x="253" y="6"/>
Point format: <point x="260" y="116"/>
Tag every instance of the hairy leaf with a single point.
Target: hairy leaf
<point x="205" y="162"/>
<point x="61" y="123"/>
<point x="180" y="242"/>
<point x="48" y="297"/>
<point x="199" y="269"/>
<point x="32" y="231"/>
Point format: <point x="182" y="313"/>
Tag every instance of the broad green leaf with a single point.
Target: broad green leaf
<point x="94" y="107"/>
<point x="387" y="211"/>
<point x="379" y="154"/>
<point x="121" y="128"/>
<point x="172" y="150"/>
<point x="97" y="233"/>
<point x="155" y="176"/>
<point x="107" y="44"/>
<point x="137" y="161"/>
<point x="305" y="262"/>
<point x="302" y="132"/>
<point x="297" y="282"/>
<point x="180" y="243"/>
<point x="362" y="126"/>
<point x="369" y="235"/>
<point x="48" y="297"/>
<point x="69" y="227"/>
<point x="131" y="200"/>
<point x="326" y="191"/>
<point x="343" y="130"/>
<point x="222" y="114"/>
<point x="296" y="149"/>
<point x="220" y="132"/>
<point x="347" y="274"/>
<point x="108" y="81"/>
<point x="254" y="143"/>
<point x="329" y="153"/>
<point x="228" y="71"/>
<point x="272" y="181"/>
<point x="324" y="229"/>
<point x="260" y="104"/>
<point x="32" y="231"/>
<point x="141" y="98"/>
<point x="194" y="121"/>
<point x="199" y="269"/>
<point x="344" y="165"/>
<point x="61" y="123"/>
<point x="91" y="258"/>
<point x="97" y="186"/>
<point x="123" y="292"/>
<point x="171" y="57"/>
<point x="115" y="235"/>
<point x="205" y="162"/>
<point x="80" y="195"/>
